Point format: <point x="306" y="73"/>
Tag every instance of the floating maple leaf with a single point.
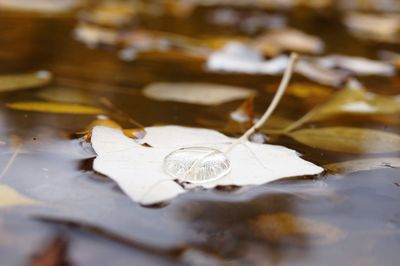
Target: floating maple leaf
<point x="139" y="170"/>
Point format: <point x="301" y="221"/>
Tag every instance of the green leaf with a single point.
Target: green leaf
<point x="348" y="139"/>
<point x="24" y="81"/>
<point x="364" y="164"/>
<point x="54" y="107"/>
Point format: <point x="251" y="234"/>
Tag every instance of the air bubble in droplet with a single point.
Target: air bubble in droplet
<point x="197" y="164"/>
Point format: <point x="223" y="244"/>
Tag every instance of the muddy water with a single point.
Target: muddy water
<point x="334" y="219"/>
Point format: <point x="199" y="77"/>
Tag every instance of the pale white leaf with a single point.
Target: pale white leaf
<point x="48" y="6"/>
<point x="357" y="65"/>
<point x="238" y="57"/>
<point x="374" y="26"/>
<point x="194" y="93"/>
<point x="139" y="170"/>
<point x="295" y="40"/>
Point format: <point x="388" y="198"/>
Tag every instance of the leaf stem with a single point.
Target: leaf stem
<point x="275" y="101"/>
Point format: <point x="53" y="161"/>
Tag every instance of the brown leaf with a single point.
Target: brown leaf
<point x="245" y="112"/>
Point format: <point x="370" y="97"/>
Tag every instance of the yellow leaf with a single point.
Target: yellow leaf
<point x="357" y="101"/>
<point x="354" y="99"/>
<point x="135" y="133"/>
<point x="53" y="107"/>
<point x="306" y="90"/>
<point x="24" y="81"/>
<point x="348" y="139"/>
<point x="66" y="95"/>
<point x="9" y="197"/>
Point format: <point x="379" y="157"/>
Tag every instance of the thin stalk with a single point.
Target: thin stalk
<point x="275" y="101"/>
<point x="271" y="108"/>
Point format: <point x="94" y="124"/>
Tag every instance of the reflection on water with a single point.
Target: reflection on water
<point x="337" y="219"/>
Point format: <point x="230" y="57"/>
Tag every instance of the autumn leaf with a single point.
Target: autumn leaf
<point x="54" y="107"/>
<point x="65" y="95"/>
<point x="9" y="197"/>
<point x="196" y="93"/>
<point x="126" y="161"/>
<point x="293" y="40"/>
<point x="364" y="164"/>
<point x="245" y="112"/>
<point x="24" y="81"/>
<point x="354" y="99"/>
<point x="279" y="227"/>
<point x="41" y="6"/>
<point x="378" y="27"/>
<point x="348" y="139"/>
<point x="135" y="133"/>
<point x="359" y="101"/>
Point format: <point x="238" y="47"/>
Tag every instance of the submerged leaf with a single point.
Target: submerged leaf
<point x="54" y="107"/>
<point x="280" y="227"/>
<point x="364" y="165"/>
<point x="139" y="170"/>
<point x="196" y="93"/>
<point x="9" y="197"/>
<point x="348" y="139"/>
<point x="24" y="81"/>
<point x="66" y="95"/>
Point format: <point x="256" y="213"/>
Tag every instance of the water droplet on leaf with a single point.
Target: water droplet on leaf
<point x="197" y="164"/>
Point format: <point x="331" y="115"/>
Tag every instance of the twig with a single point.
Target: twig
<point x="275" y="101"/>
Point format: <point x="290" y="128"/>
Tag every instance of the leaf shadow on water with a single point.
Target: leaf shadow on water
<point x="230" y="229"/>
